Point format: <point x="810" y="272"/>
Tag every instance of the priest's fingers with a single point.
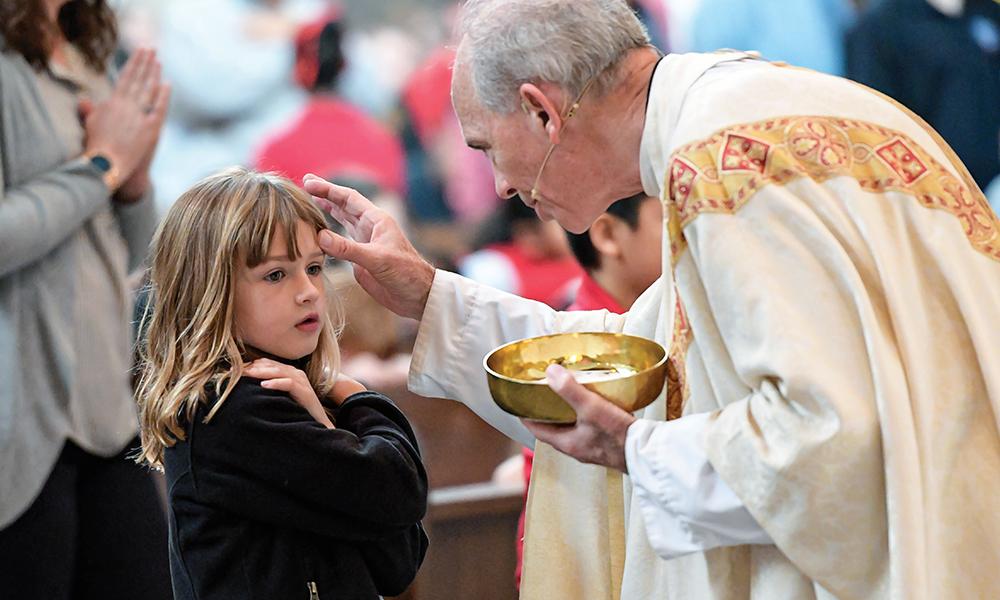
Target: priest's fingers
<point x="350" y="201"/>
<point x="335" y="211"/>
<point x="598" y="436"/>
<point x="342" y="248"/>
<point x="327" y="206"/>
<point x="549" y="433"/>
<point x="578" y="441"/>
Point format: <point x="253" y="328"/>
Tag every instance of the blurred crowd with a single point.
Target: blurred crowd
<point x="303" y="86"/>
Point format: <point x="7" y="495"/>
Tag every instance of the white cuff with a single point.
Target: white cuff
<point x="685" y="505"/>
<point x="455" y="334"/>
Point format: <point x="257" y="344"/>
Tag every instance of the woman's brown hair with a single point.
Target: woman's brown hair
<point x="90" y="25"/>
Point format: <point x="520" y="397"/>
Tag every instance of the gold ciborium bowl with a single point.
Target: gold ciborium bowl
<point x="627" y="370"/>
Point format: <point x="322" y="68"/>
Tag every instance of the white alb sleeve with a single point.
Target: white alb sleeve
<point x="462" y="322"/>
<point x="686" y="506"/>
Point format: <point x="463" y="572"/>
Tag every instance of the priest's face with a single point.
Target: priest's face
<point x="568" y="186"/>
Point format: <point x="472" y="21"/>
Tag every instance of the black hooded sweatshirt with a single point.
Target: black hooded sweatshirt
<point x="267" y="503"/>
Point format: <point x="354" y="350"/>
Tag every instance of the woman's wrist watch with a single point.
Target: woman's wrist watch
<point x="105" y="167"/>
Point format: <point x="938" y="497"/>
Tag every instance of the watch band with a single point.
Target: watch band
<point x="103" y="165"/>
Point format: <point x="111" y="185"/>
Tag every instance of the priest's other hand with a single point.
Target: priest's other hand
<point x="598" y="436"/>
<point x="386" y="265"/>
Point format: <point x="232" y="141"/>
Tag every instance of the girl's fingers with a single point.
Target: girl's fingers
<point x="283" y="384"/>
<point x="268" y="369"/>
<point x="265" y="369"/>
<point x="265" y="362"/>
<point x="262" y="372"/>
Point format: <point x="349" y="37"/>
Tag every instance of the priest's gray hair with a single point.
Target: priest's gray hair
<point x="567" y="42"/>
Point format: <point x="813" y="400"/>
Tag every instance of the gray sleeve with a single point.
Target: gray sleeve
<point x="40" y="214"/>
<point x="137" y="221"/>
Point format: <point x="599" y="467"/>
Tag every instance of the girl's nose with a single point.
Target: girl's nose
<point x="308" y="293"/>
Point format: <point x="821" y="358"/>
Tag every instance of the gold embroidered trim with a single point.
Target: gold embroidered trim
<point x="675" y="235"/>
<point x="720" y="174"/>
<point x="678" y="388"/>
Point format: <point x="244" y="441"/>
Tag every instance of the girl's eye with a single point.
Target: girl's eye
<point x="314" y="269"/>
<point x="274" y="276"/>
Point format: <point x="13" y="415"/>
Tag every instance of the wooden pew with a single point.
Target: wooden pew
<point x="458" y="447"/>
<point x="472" y="530"/>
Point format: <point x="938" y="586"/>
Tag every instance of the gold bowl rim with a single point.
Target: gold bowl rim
<point x="658" y="364"/>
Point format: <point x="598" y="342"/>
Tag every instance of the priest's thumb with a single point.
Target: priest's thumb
<point x="563" y="383"/>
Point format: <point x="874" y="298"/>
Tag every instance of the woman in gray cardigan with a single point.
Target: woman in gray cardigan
<point x="77" y="519"/>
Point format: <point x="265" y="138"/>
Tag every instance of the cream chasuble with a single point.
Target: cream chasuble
<point x="840" y="281"/>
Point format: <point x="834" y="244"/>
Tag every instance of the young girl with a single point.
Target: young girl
<point x="285" y="480"/>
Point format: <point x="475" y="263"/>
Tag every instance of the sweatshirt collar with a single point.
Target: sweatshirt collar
<point x="251" y="353"/>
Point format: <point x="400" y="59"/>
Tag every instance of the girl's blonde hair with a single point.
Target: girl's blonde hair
<point x="221" y="224"/>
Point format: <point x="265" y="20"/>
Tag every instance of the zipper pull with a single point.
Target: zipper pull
<point x="313" y="590"/>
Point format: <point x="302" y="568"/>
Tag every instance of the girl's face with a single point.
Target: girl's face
<point x="280" y="302"/>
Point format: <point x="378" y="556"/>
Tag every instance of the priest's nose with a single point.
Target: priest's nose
<point x="504" y="189"/>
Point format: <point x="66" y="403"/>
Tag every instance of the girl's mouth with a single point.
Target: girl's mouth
<point x="310" y="323"/>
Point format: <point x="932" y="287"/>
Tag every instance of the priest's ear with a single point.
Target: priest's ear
<point x="541" y="110"/>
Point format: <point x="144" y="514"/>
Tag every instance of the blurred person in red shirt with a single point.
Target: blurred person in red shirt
<point x="518" y="253"/>
<point x="447" y="180"/>
<point x="331" y="137"/>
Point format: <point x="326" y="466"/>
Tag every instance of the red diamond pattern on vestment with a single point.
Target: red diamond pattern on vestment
<point x="682" y="177"/>
<point x="901" y="160"/>
<point x="744" y="154"/>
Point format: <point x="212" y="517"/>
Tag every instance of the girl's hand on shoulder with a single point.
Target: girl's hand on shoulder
<point x="279" y="376"/>
<point x="343" y="388"/>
